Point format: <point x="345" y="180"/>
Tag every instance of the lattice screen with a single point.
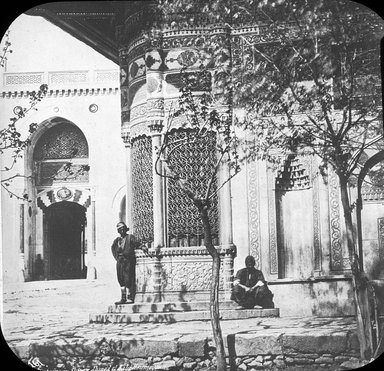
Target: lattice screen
<point x="294" y="175"/>
<point x="142" y="189"/>
<point x="193" y="161"/>
<point x="63" y="141"/>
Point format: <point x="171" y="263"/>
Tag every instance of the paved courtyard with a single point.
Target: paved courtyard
<point x="39" y="314"/>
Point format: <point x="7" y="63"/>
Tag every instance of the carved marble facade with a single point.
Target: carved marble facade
<point x="160" y="214"/>
<point x="149" y="88"/>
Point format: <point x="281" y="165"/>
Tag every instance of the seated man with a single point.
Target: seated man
<point x="250" y="288"/>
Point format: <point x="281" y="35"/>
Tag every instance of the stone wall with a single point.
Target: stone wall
<point x="246" y="351"/>
<point x="293" y="362"/>
<point x="319" y="296"/>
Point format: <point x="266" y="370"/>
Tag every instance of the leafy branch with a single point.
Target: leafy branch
<point x="5" y="50"/>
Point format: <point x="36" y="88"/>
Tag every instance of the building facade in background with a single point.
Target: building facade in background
<point x="71" y="208"/>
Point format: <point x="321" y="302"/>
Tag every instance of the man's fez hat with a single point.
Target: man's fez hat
<point x="120" y="225"/>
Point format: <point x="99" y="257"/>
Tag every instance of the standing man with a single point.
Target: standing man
<point x="123" y="250"/>
<point x="250" y="287"/>
<point x="39" y="268"/>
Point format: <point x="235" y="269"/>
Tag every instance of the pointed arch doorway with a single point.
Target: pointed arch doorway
<point x="59" y="164"/>
<point x="65" y="250"/>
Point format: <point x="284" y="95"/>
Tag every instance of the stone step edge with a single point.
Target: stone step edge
<point x="171" y="317"/>
<point x="170" y="307"/>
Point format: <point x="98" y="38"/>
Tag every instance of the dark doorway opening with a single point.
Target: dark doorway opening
<point x="65" y="224"/>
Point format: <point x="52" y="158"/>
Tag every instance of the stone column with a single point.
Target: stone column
<point x="21" y="274"/>
<point x="228" y="275"/>
<point x="226" y="235"/>
<point x="158" y="210"/>
<point x="158" y="192"/>
<point x="225" y="203"/>
<point x="155" y="118"/>
<point x="92" y="273"/>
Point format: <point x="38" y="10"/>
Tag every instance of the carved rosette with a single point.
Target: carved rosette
<point x="82" y="196"/>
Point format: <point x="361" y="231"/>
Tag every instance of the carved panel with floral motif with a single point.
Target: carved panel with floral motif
<point x="190" y="276"/>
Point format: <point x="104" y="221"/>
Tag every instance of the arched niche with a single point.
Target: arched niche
<point x="370" y="217"/>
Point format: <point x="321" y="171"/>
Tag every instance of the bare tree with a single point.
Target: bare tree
<point x="13" y="143"/>
<point x="14" y="140"/>
<point x="202" y="116"/>
<point x="318" y="93"/>
<point x="307" y="80"/>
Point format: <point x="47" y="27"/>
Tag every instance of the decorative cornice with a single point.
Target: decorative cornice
<point x="58" y="93"/>
<point x="61" y="83"/>
<point x="187" y="251"/>
<point x="372" y="194"/>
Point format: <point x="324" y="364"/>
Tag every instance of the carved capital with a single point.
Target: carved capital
<point x="126" y="136"/>
<point x="155" y="126"/>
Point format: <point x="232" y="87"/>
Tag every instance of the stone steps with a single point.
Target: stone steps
<point x="176" y="312"/>
<point x="169" y="307"/>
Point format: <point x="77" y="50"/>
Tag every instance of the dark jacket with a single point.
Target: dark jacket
<point x="127" y="248"/>
<point x="249" y="277"/>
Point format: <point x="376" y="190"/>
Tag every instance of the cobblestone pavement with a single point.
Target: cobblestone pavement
<point x="37" y="311"/>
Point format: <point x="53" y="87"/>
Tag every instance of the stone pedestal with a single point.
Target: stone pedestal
<point x="181" y="274"/>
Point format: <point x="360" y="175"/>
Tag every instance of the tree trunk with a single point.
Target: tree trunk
<point x="214" y="294"/>
<point x="359" y="284"/>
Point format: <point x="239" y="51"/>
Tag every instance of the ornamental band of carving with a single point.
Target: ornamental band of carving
<point x="337" y="258"/>
<point x="272" y="222"/>
<point x="190" y="276"/>
<point x="253" y="213"/>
